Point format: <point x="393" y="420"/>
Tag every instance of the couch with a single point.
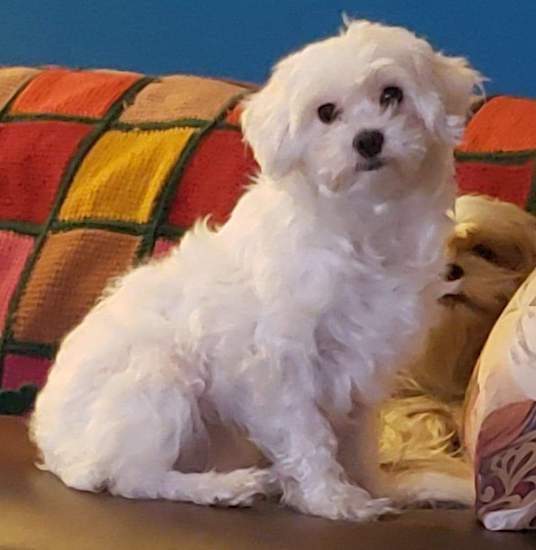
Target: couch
<point x="100" y="170"/>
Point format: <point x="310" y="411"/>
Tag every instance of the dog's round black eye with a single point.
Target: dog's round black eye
<point x="484" y="252"/>
<point x="327" y="113"/>
<point x="390" y="95"/>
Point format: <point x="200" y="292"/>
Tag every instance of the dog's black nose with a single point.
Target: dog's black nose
<point x="368" y="143"/>
<point x="454" y="272"/>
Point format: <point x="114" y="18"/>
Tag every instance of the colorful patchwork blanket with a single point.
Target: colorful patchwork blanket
<point x="98" y="170"/>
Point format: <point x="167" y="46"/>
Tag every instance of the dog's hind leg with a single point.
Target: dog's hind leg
<point x="153" y="476"/>
<point x="144" y="420"/>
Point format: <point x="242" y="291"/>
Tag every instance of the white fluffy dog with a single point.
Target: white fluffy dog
<point x="285" y="326"/>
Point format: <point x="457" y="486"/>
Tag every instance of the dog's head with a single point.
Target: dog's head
<point x="493" y="250"/>
<point x="374" y="100"/>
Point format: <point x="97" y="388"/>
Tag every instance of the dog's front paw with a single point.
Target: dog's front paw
<point x="343" y="501"/>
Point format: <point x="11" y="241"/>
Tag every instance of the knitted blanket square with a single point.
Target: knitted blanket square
<point x="99" y="169"/>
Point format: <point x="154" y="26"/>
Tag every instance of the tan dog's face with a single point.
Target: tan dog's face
<point x="493" y="251"/>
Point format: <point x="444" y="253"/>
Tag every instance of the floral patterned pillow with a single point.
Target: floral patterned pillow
<point x="500" y="421"/>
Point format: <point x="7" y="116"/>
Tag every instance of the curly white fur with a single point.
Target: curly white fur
<point x="285" y="326"/>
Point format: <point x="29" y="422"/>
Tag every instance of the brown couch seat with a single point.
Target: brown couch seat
<point x="38" y="512"/>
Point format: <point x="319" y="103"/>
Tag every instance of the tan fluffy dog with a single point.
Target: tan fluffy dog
<point x="493" y="250"/>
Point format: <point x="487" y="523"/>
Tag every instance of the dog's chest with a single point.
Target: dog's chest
<point x="369" y="328"/>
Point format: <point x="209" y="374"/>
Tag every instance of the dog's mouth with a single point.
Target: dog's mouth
<point x="452" y="300"/>
<point x="370" y="165"/>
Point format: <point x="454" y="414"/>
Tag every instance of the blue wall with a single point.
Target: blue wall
<point x="241" y="39"/>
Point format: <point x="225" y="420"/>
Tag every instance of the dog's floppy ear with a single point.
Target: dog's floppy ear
<point x="461" y="84"/>
<point x="269" y="126"/>
<point x="457" y="86"/>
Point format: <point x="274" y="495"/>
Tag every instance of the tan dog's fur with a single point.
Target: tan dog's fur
<point x="495" y="246"/>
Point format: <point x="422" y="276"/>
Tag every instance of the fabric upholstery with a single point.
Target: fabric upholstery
<point x="99" y="170"/>
<point x="497" y="156"/>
